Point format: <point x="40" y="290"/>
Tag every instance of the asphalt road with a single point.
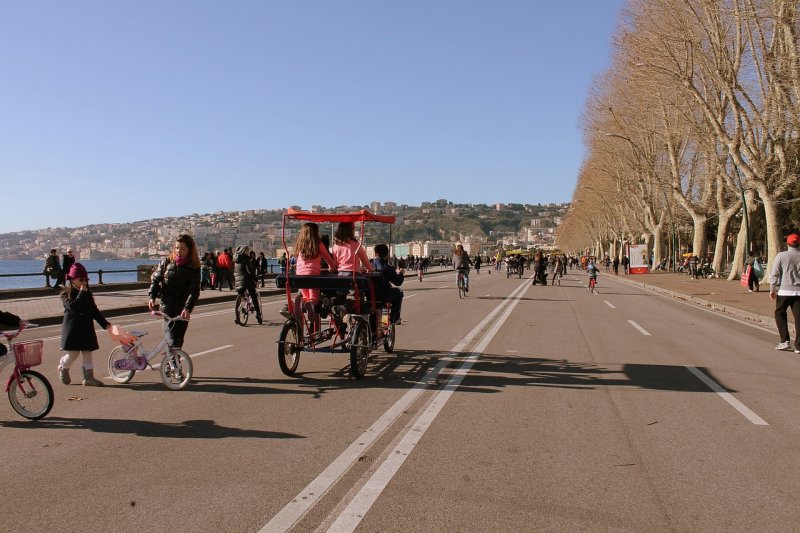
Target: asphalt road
<point x="520" y="408"/>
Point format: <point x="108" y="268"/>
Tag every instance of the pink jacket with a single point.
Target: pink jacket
<point x="312" y="267"/>
<point x="349" y="255"/>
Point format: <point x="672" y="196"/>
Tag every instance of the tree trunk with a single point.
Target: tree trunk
<point x="700" y="242"/>
<point x="774" y="243"/>
<point x="658" y="244"/>
<point x="737" y="267"/>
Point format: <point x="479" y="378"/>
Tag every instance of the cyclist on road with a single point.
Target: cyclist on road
<point x="591" y="268"/>
<point x="246" y="278"/>
<point x="461" y="263"/>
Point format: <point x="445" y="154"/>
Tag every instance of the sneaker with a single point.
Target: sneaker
<point x="783" y="346"/>
<point x="749" y="290"/>
<point x="797" y="351"/>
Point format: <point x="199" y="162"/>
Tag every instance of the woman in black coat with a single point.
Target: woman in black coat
<point x="177" y="282"/>
<point x="77" y="331"/>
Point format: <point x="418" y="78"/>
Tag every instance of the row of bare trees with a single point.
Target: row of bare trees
<point x="698" y="114"/>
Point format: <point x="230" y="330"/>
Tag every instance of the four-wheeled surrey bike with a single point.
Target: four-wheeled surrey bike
<point x="349" y="319"/>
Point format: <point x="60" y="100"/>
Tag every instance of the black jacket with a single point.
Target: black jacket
<point x="244" y="272"/>
<point x="77" y="330"/>
<point x="177" y="286"/>
<point x="390" y="277"/>
<point x="67" y="262"/>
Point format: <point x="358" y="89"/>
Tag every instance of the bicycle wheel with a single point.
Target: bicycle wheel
<point x="388" y="339"/>
<point x="289" y="348"/>
<point x="359" y="350"/>
<point x="32" y="397"/>
<point x="120" y="376"/>
<point x="176" y="369"/>
<point x="242" y="312"/>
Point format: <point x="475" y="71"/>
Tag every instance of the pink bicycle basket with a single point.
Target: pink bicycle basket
<point x="28" y="353"/>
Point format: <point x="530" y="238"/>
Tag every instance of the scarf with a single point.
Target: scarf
<point x="181" y="261"/>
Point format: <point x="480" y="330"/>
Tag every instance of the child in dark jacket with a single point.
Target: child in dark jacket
<point x="390" y="277"/>
<point x="77" y="332"/>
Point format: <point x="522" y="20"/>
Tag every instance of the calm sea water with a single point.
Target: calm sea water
<point x="34" y="266"/>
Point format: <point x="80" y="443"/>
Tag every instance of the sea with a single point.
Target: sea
<point x="34" y="266"/>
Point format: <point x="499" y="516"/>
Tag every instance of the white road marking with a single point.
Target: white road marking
<point x="410" y="296"/>
<point x="640" y="328"/>
<point x="609" y="304"/>
<point x="352" y="515"/>
<point x="728" y="397"/>
<point x="308" y="497"/>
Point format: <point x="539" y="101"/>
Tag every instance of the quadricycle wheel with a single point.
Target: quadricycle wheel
<point x="289" y="348"/>
<point x="359" y="350"/>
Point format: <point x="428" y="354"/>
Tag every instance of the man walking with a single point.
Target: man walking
<point x="784" y="288"/>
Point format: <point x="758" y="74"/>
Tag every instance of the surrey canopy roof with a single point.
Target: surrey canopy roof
<point x="358" y="216"/>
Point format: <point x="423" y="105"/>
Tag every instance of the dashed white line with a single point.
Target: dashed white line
<point x="728" y="397"/>
<point x="640" y="328"/>
<point x="609" y="304"/>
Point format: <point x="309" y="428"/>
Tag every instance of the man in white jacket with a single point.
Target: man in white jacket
<point x="784" y="288"/>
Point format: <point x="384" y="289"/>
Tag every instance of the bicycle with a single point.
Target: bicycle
<point x="126" y="359"/>
<point x="462" y="285"/>
<point x="29" y="392"/>
<point x="244" y="307"/>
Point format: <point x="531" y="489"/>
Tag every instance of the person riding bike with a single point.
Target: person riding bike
<point x="461" y="263"/>
<point x="246" y="277"/>
<point x="591" y="268"/>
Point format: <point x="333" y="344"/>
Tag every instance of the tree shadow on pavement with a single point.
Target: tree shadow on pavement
<point x="188" y="429"/>
<point x="491" y="373"/>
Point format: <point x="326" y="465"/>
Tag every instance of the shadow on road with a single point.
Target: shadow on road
<point x="188" y="429"/>
<point x="493" y="372"/>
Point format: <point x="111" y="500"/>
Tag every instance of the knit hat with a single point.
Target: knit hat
<point x="793" y="239"/>
<point x="77" y="271"/>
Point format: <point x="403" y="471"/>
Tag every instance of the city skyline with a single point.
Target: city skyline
<point x="262" y="229"/>
<point x="248" y="105"/>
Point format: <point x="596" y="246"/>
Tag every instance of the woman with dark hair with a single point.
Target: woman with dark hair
<point x="177" y="282"/>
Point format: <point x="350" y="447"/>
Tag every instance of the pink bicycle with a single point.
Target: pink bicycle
<point x="29" y="392"/>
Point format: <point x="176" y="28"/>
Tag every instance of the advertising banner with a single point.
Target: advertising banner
<point x="637" y="254"/>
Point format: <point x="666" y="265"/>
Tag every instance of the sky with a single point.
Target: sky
<point x="123" y="111"/>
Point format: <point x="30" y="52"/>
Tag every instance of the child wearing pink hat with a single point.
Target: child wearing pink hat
<point x="77" y="332"/>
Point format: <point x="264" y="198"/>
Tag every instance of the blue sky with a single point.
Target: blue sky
<point x="122" y="111"/>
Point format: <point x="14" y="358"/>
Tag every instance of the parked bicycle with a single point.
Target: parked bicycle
<point x="126" y="359"/>
<point x="29" y="392"/>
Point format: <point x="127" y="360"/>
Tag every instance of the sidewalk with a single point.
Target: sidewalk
<point x="718" y="294"/>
